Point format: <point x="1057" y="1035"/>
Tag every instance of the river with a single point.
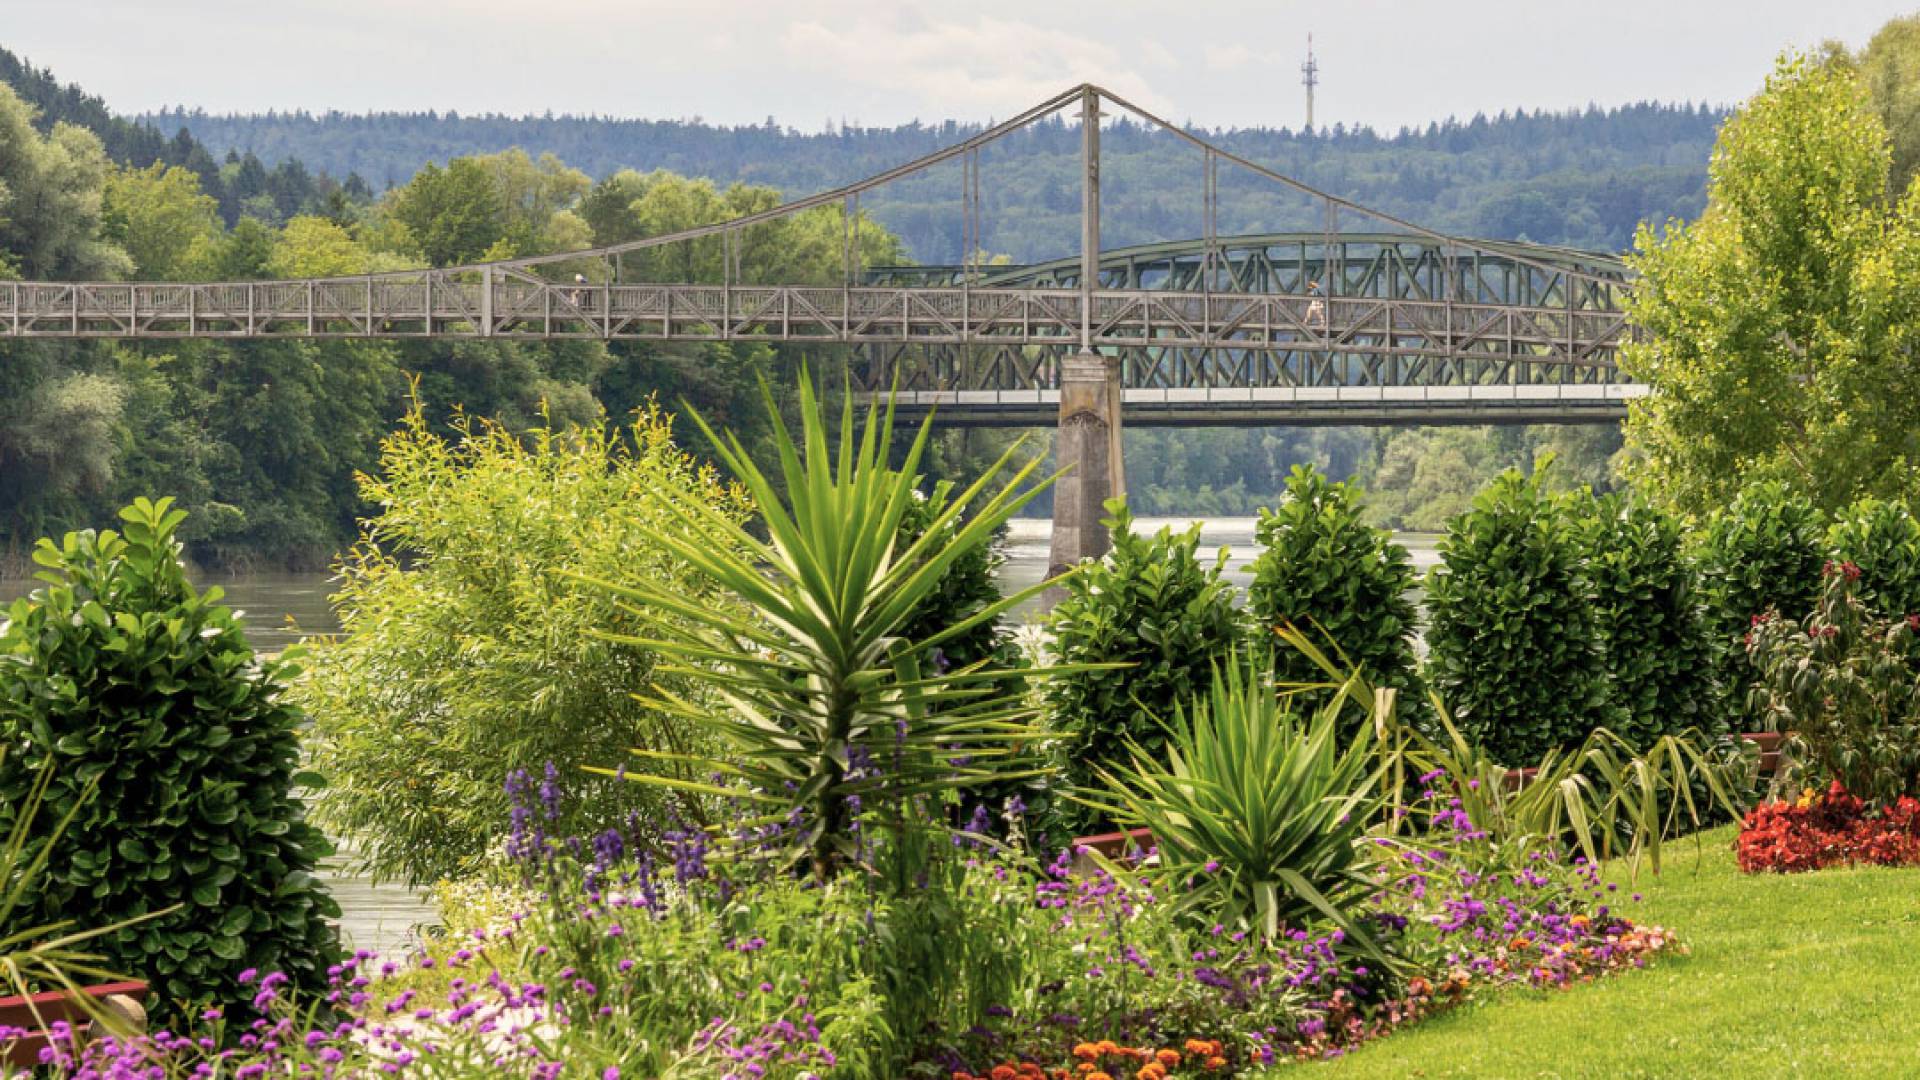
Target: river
<point x="280" y="609"/>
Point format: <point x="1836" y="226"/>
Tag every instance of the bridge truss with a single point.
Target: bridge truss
<point x="1387" y="325"/>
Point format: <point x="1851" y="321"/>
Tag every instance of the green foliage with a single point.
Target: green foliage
<point x="1760" y="553"/>
<point x="1421" y="478"/>
<point x="1260" y="810"/>
<point x="453" y="215"/>
<point x="467" y="649"/>
<point x="1882" y="539"/>
<point x="50" y="197"/>
<point x="1323" y="570"/>
<point x="41" y="956"/>
<point x="1782" y="318"/>
<point x="1661" y="647"/>
<point x="826" y="706"/>
<point x="1514" y="639"/>
<point x="1153" y="610"/>
<point x="1846" y="684"/>
<point x="118" y="676"/>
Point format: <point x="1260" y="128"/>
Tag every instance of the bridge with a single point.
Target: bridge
<point x="1389" y="323"/>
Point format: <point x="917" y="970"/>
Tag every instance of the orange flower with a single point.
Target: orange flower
<point x="1520" y="942"/>
<point x="1195" y="1046"/>
<point x="1005" y="1072"/>
<point x="1151" y="1071"/>
<point x="1108" y="1046"/>
<point x="1216" y="1062"/>
<point x="1086" y="1052"/>
<point x="1097" y="1075"/>
<point x="962" y="1076"/>
<point x="1167" y="1057"/>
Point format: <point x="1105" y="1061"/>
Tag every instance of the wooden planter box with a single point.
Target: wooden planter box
<point x="1514" y="779"/>
<point x="121" y="998"/>
<point x="1114" y="845"/>
<point x="1769" y="744"/>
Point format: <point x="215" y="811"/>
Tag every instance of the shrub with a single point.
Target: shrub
<point x="1660" y="650"/>
<point x="1845" y="683"/>
<point x="1882" y="539"/>
<point x="1760" y="554"/>
<point x="1514" y="637"/>
<point x="119" y="676"/>
<point x="1324" y="570"/>
<point x="1149" y="605"/>
<point x="1259" y="810"/>
<point x="465" y="650"/>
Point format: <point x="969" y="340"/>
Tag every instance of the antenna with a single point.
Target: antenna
<point x="1310" y="78"/>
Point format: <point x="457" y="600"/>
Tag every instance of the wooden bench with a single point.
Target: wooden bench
<point x="122" y="1000"/>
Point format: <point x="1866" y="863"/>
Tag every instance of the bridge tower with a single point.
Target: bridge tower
<point x="1087" y="442"/>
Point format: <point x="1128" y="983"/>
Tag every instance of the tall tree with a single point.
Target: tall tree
<point x="1784" y="320"/>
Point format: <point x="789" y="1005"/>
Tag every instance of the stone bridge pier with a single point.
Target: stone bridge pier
<point x="1087" y="444"/>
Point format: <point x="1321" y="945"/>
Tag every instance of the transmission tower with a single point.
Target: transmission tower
<point x="1310" y="78"/>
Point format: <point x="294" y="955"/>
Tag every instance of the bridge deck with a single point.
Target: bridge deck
<point x="1299" y="405"/>
<point x="428" y="304"/>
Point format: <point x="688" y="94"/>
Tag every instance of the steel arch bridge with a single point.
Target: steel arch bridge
<point x="1302" y="328"/>
<point x="1396" y="324"/>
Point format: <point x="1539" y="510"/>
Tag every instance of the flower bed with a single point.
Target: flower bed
<point x="1831" y="829"/>
<point x="774" y="978"/>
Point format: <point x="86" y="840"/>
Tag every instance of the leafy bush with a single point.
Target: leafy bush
<point x="1845" y="683"/>
<point x="1514" y="637"/>
<point x="1151" y="607"/>
<point x="1883" y="539"/>
<point x="465" y="649"/>
<point x="1261" y="810"/>
<point x="1760" y="554"/>
<point x="1323" y="569"/>
<point x="1660" y="650"/>
<point x="123" y="680"/>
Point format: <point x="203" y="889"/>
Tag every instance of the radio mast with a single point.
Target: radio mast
<point x="1310" y="78"/>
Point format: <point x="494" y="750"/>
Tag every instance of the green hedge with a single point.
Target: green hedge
<point x="1152" y="605"/>
<point x="1338" y="579"/>
<point x="1761" y="553"/>
<point x="1514" y="636"/>
<point x="117" y="670"/>
<point x="1653" y="620"/>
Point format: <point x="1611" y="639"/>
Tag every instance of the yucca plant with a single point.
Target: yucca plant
<point x="1257" y="812"/>
<point x="818" y="700"/>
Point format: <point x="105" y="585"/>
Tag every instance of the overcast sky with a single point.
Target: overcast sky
<point x="1215" y="62"/>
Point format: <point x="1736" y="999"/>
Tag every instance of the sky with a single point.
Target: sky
<point x="1216" y="63"/>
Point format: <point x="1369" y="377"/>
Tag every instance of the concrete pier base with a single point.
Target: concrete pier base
<point x="1087" y="444"/>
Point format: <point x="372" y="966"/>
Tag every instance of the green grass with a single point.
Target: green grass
<point x="1801" y="975"/>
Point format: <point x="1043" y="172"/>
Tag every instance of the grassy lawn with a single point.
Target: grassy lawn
<point x="1803" y="975"/>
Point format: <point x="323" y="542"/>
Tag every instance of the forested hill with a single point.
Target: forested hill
<point x="242" y="185"/>
<point x="1580" y="178"/>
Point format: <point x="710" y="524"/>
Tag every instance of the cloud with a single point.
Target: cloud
<point x="985" y="65"/>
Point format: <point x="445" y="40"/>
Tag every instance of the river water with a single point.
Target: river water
<point x="280" y="609"/>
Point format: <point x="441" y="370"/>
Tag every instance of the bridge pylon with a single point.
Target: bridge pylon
<point x="1087" y="446"/>
<point x="1087" y="442"/>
